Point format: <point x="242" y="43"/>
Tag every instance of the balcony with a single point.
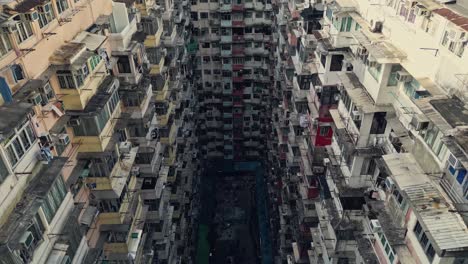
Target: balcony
<point x="238" y="51"/>
<point x="91" y="134"/>
<point x="136" y="99"/>
<point x="170" y="138"/>
<point x="226" y="39"/>
<point x="116" y="251"/>
<point x="170" y="40"/>
<point x="225" y="8"/>
<point x="75" y="87"/>
<point x="227" y="66"/>
<point x="162" y="120"/>
<point x="226" y="23"/>
<point x="170" y="157"/>
<point x="226" y="53"/>
<point x="237" y="7"/>
<point x="112" y="186"/>
<point x="121" y="33"/>
<point x="156" y="69"/>
<point x="154" y="41"/>
<point x="162" y="95"/>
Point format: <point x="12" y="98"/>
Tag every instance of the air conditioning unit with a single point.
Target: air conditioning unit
<point x="419" y="122"/>
<point x="135" y="171"/>
<point x="74" y="122"/>
<point x="420" y="10"/>
<point x="35" y="99"/>
<point x="410" y="4"/>
<point x="361" y="51"/>
<point x="124" y="147"/>
<point x="378" y="141"/>
<point x="318" y="89"/>
<point x="356" y="116"/>
<point x="64" y="139"/>
<point x="403" y="76"/>
<point x="9" y="27"/>
<point x="371" y="62"/>
<point x="375" y="225"/>
<point x="27" y="239"/>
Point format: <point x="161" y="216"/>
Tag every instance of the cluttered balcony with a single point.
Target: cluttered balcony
<point x="111" y="187"/>
<point x="79" y="70"/>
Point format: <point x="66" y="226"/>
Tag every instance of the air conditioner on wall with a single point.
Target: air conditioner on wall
<point x="64" y="139"/>
<point x="420" y="10"/>
<point x="371" y="62"/>
<point x="356" y="115"/>
<point x="375" y="225"/>
<point x="403" y="76"/>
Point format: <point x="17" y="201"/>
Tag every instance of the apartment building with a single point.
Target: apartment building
<point x="372" y="114"/>
<point x="92" y="170"/>
<point x="232" y="76"/>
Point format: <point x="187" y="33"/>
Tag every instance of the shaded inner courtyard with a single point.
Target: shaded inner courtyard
<point x="233" y="224"/>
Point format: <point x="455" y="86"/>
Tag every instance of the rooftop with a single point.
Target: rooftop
<point x="457" y="143"/>
<point x="12" y="115"/>
<point x="453" y="110"/>
<point x="66" y="53"/>
<point x="445" y="228"/>
<point x="92" y="41"/>
<point x="381" y="51"/>
<point x="27" y="5"/>
<point x="21" y="218"/>
<point x="359" y="95"/>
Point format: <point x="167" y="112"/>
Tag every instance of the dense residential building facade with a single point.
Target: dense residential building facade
<point x="92" y="169"/>
<point x="233" y="76"/>
<point x="387" y="84"/>
<point x="356" y="110"/>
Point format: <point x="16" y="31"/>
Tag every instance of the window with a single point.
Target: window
<point x="24" y="31"/>
<point x="66" y="80"/>
<point x="379" y="123"/>
<point x="336" y="63"/>
<point x="5" y="44"/>
<point x="346" y="23"/>
<point x="46" y="15"/>
<point x="94" y="61"/>
<point x="461" y="48"/>
<point x="123" y="64"/>
<point x="203" y="15"/>
<point x="430" y="252"/>
<point x="20" y="143"/>
<point x="62" y="5"/>
<point x="375" y="71"/>
<point x="392" y="80"/>
<point x="3" y="170"/>
<point x="54" y="198"/>
<point x="93" y="125"/>
<point x="81" y="75"/>
<point x="324" y="131"/>
<point x="17" y="72"/>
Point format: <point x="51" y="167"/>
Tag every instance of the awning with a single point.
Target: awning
<point x="81" y="60"/>
<point x="92" y="41"/>
<point x="338" y="121"/>
<point x="88" y="215"/>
